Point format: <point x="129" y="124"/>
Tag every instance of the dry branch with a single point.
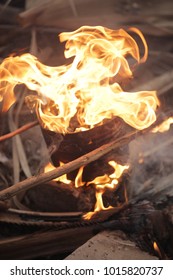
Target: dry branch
<point x="18" y="131"/>
<point x="73" y="165"/>
<point x="66" y="168"/>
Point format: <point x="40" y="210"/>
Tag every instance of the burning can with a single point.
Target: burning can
<point x="65" y="148"/>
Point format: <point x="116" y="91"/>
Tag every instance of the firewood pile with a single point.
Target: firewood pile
<point x="42" y="216"/>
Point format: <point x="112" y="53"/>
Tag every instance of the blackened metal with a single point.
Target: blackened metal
<point x="66" y="148"/>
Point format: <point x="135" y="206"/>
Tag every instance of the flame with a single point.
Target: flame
<point x="164" y="126"/>
<point x="99" y="201"/>
<point x="100" y="183"/>
<point x="78" y="179"/>
<point x="103" y="182"/>
<point x="157" y="249"/>
<point x="63" y="178"/>
<point x="86" y="90"/>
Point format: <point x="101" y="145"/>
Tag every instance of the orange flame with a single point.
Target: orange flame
<point x="103" y="182"/>
<point x="99" y="204"/>
<point x="157" y="249"/>
<point x="86" y="89"/>
<point x="78" y="179"/>
<point x="100" y="183"/>
<point x="164" y="126"/>
<point x="62" y="178"/>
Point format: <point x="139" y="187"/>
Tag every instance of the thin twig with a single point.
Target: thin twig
<point x="75" y="164"/>
<point x="18" y="131"/>
<point x="66" y="168"/>
<point x="5" y="6"/>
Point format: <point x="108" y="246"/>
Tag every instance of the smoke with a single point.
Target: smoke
<point x="151" y="161"/>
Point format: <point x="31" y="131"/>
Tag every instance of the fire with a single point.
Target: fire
<point x="86" y="90"/>
<point x="100" y="183"/>
<point x="78" y="179"/>
<point x="156" y="248"/>
<point x="103" y="182"/>
<point x="164" y="126"/>
<point x="81" y="95"/>
<point x="62" y="178"/>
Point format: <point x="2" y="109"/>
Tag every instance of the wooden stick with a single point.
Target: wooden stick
<point x="75" y="164"/>
<point x="18" y="131"/>
<point x="66" y="168"/>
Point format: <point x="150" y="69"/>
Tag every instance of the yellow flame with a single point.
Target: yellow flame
<point x="63" y="178"/>
<point x="86" y="89"/>
<point x="103" y="182"/>
<point x="82" y="94"/>
<point x="156" y="248"/>
<point x="78" y="179"/>
<point x="98" y="206"/>
<point x="164" y="126"/>
<point x="100" y="183"/>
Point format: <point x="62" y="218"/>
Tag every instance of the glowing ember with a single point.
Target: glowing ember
<point x="86" y="89"/>
<point x="164" y="126"/>
<point x="103" y="182"/>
